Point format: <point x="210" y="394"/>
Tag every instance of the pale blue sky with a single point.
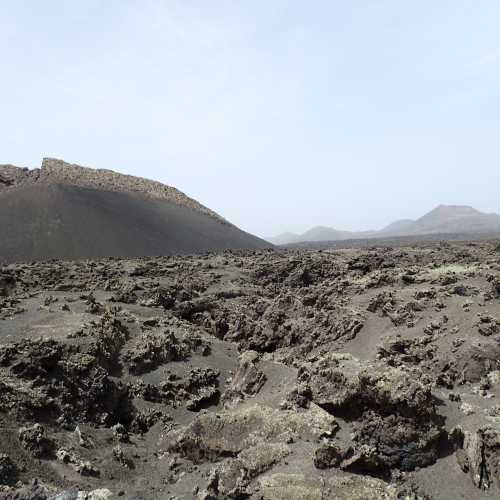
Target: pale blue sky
<point x="280" y="115"/>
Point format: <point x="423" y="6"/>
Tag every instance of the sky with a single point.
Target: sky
<point x="278" y="114"/>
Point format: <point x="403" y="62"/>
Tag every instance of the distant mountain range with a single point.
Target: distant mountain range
<point x="444" y="219"/>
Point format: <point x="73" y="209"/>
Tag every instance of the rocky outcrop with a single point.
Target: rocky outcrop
<point x="11" y="176"/>
<point x="213" y="436"/>
<point x="35" y="441"/>
<point x="59" y="171"/>
<point x="58" y="383"/>
<point x="392" y="410"/>
<point x="231" y="479"/>
<point x="248" y="379"/>
<point x="153" y="349"/>
<point x="479" y="455"/>
<point x="300" y="486"/>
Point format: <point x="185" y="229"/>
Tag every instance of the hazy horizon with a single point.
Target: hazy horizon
<point x="280" y="116"/>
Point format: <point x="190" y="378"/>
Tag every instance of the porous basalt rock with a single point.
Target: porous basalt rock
<point x="392" y="409"/>
<point x="196" y="390"/>
<point x="478" y="455"/>
<point x="398" y="350"/>
<point x="34" y="439"/>
<point x="32" y="491"/>
<point x="474" y="361"/>
<point x="71" y="386"/>
<point x="159" y="297"/>
<point x="299" y="486"/>
<point x="9" y="307"/>
<point x="342" y="383"/>
<point x="328" y="456"/>
<point x="213" y="436"/>
<point x="83" y="467"/>
<point x="11" y="176"/>
<point x="231" y="479"/>
<point x="109" y="336"/>
<point x="248" y="379"/>
<point x="153" y="349"/>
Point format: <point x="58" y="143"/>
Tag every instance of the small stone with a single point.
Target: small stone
<point x="467" y="408"/>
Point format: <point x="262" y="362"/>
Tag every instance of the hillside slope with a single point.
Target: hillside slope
<point x="46" y="215"/>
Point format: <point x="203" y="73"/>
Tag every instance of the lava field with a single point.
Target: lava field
<point x="368" y="373"/>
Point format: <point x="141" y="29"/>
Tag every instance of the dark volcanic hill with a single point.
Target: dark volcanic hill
<point x="444" y="219"/>
<point x="66" y="211"/>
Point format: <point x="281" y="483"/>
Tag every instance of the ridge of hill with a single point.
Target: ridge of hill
<point x="59" y="171"/>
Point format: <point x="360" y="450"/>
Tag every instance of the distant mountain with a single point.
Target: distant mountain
<point x="397" y="227"/>
<point x="456" y="218"/>
<point x="64" y="211"/>
<point x="451" y="219"/>
<point x="322" y="233"/>
<point x="444" y="219"/>
<point x="285" y="239"/>
<point x="319" y="233"/>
